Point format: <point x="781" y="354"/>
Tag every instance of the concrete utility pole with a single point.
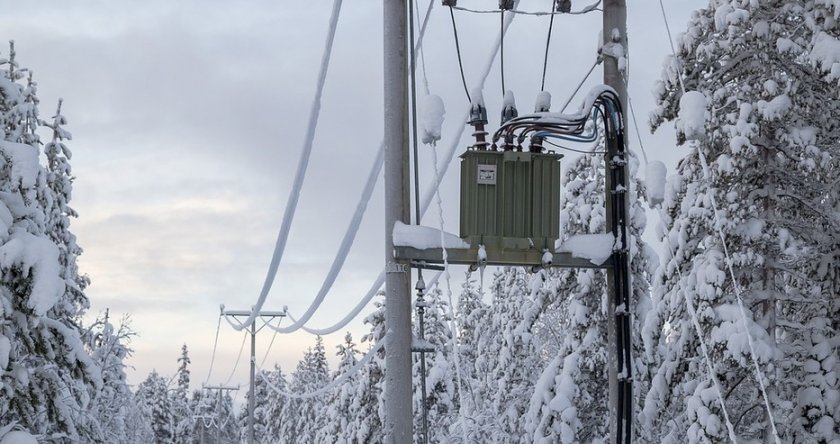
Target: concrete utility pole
<point x="252" y="380"/>
<point x="398" y="406"/>
<point x="615" y="22"/>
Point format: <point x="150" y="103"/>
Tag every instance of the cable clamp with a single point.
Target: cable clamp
<point x="617" y="161"/>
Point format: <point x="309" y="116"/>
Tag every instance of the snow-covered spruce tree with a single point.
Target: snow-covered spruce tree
<point x="114" y="410"/>
<point x="229" y="426"/>
<point x="305" y="416"/>
<point x="153" y="398"/>
<point x="265" y="399"/>
<point x="762" y="110"/>
<point x="568" y="403"/>
<point x="59" y="212"/>
<point x="47" y="377"/>
<point x="441" y="390"/>
<point x="368" y="408"/>
<point x="340" y="399"/>
<point x="511" y="352"/>
<point x="182" y="420"/>
<point x="271" y="410"/>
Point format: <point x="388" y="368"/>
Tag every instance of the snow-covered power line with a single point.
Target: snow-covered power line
<point x="374" y="289"/>
<point x="346" y="243"/>
<point x="213" y="356"/>
<point x="442" y="167"/>
<point x="335" y="382"/>
<point x="294" y="196"/>
<point x="238" y="358"/>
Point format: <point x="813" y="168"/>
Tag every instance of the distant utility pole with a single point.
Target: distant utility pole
<point x="398" y="406"/>
<point x="220" y="388"/>
<point x="620" y="392"/>
<point x="269" y="315"/>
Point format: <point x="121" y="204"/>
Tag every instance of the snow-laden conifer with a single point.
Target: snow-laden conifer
<point x="182" y="420"/>
<point x="758" y="182"/>
<point x="338" y="402"/>
<point x="367" y="422"/>
<point x="113" y="412"/>
<point x="568" y="403"/>
<point x="269" y="408"/>
<point x="303" y="417"/>
<point x="47" y="377"/>
<point x="153" y="398"/>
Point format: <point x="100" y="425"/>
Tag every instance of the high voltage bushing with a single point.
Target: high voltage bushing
<point x="478" y="118"/>
<point x="509" y="112"/>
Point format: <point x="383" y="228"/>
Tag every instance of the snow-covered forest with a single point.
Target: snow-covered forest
<point x="735" y="318"/>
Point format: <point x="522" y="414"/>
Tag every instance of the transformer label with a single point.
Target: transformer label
<point x="486" y="174"/>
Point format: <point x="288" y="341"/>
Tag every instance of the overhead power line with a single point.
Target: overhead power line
<point x="427" y="196"/>
<point x="294" y="196"/>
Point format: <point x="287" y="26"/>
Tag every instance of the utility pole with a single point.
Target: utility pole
<point x="253" y="330"/>
<point x="615" y="32"/>
<point x="220" y="388"/>
<point x="398" y="406"/>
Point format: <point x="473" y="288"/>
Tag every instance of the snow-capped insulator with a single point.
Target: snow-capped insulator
<point x="506" y="5"/>
<point x="509" y="107"/>
<point x="449" y="2"/>
<point x="564" y="6"/>
<point x="543" y="102"/>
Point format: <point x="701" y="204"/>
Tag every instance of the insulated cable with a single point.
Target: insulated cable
<point x="458" y="52"/>
<point x="502" y="49"/>
<point x="547" y="44"/>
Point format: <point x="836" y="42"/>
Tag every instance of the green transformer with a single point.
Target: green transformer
<point x="510" y="199"/>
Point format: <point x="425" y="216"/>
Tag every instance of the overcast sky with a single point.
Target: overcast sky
<point x="188" y="119"/>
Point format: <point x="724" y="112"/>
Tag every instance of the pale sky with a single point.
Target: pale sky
<point x="188" y="120"/>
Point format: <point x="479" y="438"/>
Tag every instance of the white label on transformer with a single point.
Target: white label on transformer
<point x="486" y="174"/>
